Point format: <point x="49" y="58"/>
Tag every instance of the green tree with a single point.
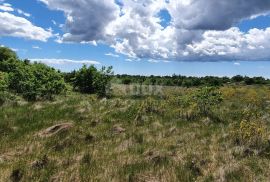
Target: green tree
<point x="90" y="80"/>
<point x="6" y="53"/>
<point x="238" y="78"/>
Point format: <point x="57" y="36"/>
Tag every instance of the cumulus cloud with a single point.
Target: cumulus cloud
<point x="85" y="19"/>
<point x="65" y="61"/>
<point x="233" y="44"/>
<point x="213" y="14"/>
<point x="11" y="25"/>
<point x="199" y="29"/>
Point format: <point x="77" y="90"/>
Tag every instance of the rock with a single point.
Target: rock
<point x="117" y="129"/>
<point x="53" y="130"/>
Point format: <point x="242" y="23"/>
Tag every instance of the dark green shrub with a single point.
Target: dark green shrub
<point x="90" y="80"/>
<point x="33" y="81"/>
<point x="4" y="94"/>
<point x="36" y="81"/>
<point x="3" y="81"/>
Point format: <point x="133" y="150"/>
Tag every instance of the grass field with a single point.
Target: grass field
<point x="138" y="137"/>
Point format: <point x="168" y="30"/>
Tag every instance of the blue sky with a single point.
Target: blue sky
<point x="185" y="56"/>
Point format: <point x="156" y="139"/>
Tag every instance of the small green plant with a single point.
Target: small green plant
<point x="206" y="99"/>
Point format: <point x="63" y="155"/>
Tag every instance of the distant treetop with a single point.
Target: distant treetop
<point x="6" y="53"/>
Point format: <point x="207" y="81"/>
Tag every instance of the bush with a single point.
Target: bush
<point x="33" y="81"/>
<point x="90" y="80"/>
<point x="3" y="81"/>
<point x="206" y="99"/>
<point x="4" y="94"/>
<point x="251" y="131"/>
<point x="36" y="81"/>
<point x="252" y="135"/>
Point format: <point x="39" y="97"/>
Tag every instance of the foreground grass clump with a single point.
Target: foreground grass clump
<point x="144" y="138"/>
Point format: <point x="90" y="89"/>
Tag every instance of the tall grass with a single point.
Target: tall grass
<point x="163" y="138"/>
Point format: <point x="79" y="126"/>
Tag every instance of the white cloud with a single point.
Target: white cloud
<point x="54" y="22"/>
<point x="153" y="61"/>
<point x="11" y="25"/>
<point x="65" y="61"/>
<point x="36" y="47"/>
<point x="199" y="30"/>
<point x="237" y="64"/>
<point x="21" y="12"/>
<point x="14" y="49"/>
<point x="6" y="7"/>
<point x="112" y="55"/>
<point x="129" y="60"/>
<point x="233" y="44"/>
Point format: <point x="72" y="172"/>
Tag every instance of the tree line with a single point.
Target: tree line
<point x="188" y="81"/>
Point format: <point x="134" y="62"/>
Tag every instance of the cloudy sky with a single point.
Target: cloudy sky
<point x="161" y="37"/>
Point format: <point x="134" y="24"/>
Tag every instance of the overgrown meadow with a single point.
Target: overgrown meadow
<point x="195" y="134"/>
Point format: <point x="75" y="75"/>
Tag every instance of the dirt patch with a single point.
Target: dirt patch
<point x="7" y="157"/>
<point x="117" y="129"/>
<point x="53" y="130"/>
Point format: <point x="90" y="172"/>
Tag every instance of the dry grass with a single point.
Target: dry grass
<point x="156" y="143"/>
